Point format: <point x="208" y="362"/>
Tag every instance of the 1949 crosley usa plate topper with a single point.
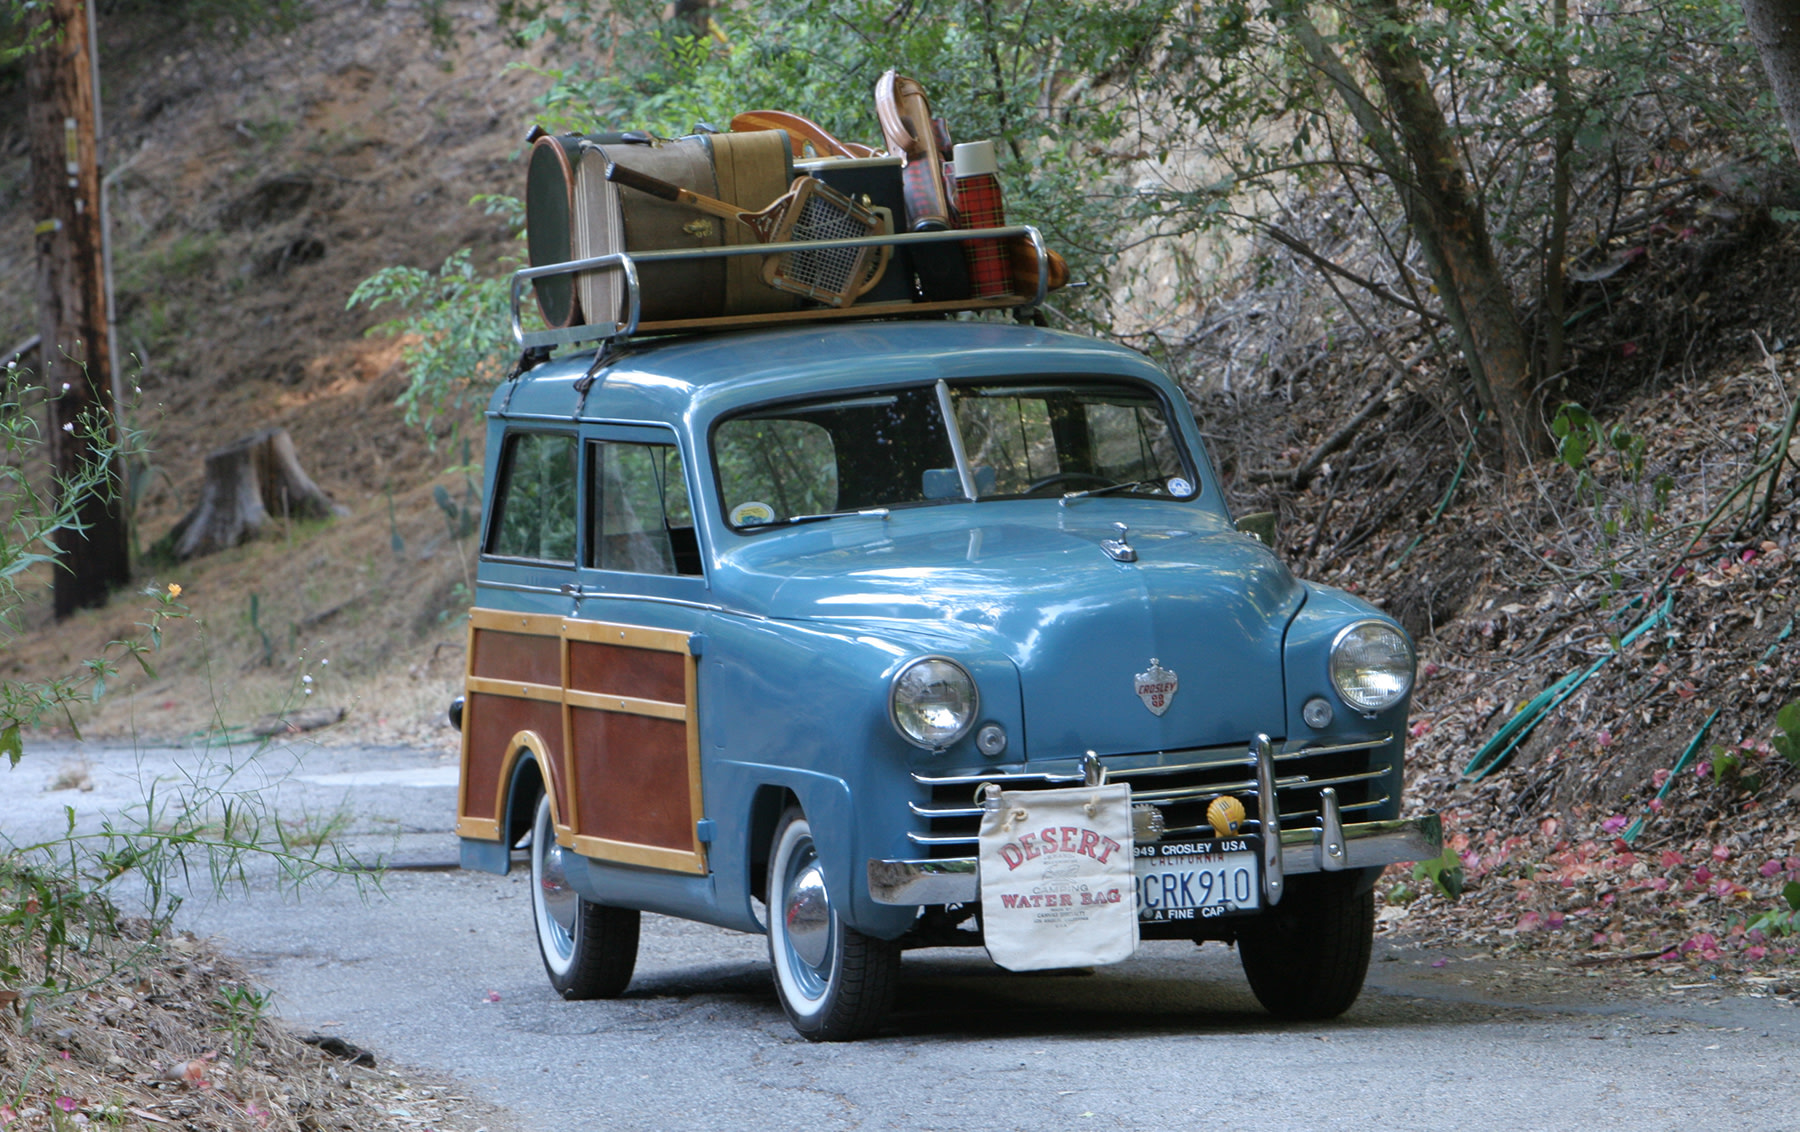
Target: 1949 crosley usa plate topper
<point x="1156" y="687"/>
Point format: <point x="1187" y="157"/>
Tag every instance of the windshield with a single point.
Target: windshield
<point x="1037" y="438"/>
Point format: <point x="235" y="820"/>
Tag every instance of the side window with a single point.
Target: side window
<point x="536" y="501"/>
<point x="639" y="516"/>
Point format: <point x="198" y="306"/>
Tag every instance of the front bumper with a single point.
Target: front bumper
<point x="1366" y="845"/>
<point x="1330" y="846"/>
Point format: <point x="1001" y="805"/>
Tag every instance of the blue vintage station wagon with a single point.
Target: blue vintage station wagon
<point x="763" y="618"/>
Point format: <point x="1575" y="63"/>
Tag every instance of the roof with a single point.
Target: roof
<point x="672" y="379"/>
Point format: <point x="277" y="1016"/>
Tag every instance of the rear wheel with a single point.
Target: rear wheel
<point x="589" y="950"/>
<point x="834" y="982"/>
<point x="1306" y="957"/>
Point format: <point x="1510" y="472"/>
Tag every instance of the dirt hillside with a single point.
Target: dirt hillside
<point x="254" y="185"/>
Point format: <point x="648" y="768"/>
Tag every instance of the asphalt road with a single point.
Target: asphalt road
<point x="439" y="970"/>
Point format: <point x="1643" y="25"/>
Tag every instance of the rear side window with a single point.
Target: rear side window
<point x="536" y="515"/>
<point x="639" y="516"/>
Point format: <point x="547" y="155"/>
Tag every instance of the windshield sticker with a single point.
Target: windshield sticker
<point x="1179" y="486"/>
<point x="752" y="513"/>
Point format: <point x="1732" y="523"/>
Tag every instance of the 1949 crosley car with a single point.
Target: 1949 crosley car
<point x="769" y="624"/>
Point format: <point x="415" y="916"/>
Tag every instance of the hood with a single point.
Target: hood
<point x="1204" y="608"/>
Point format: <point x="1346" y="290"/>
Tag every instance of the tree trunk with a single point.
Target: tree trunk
<point x="245" y="483"/>
<point x="76" y="349"/>
<point x="1446" y="220"/>
<point x="1775" y="26"/>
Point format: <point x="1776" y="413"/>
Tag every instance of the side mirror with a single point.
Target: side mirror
<point x="1260" y="526"/>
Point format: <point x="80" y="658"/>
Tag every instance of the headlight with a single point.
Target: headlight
<point x="1371" y="665"/>
<point x="933" y="702"/>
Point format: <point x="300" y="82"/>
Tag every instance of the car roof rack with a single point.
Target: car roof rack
<point x="616" y="333"/>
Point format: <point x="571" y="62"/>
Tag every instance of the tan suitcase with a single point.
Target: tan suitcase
<point x="749" y="170"/>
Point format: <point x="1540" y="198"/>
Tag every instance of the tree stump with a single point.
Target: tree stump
<point x="245" y="483"/>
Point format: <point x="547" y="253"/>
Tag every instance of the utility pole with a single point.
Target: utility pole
<point x="74" y="298"/>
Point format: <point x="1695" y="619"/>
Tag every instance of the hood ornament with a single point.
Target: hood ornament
<point x="1118" y="549"/>
<point x="1156" y="687"/>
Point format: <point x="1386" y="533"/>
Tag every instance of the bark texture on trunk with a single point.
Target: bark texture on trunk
<point x="245" y="483"/>
<point x="75" y="348"/>
<point x="1775" y="26"/>
<point x="1440" y="209"/>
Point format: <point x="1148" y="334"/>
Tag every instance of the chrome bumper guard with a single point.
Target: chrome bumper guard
<point x="1330" y="846"/>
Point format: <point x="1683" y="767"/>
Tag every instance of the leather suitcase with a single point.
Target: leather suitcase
<point x="550" y="216"/>
<point x="749" y="170"/>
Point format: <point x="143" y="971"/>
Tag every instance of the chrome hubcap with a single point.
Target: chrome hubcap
<point x="559" y="898"/>
<point x="807" y="916"/>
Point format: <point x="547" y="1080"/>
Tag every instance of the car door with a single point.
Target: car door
<point x="631" y="699"/>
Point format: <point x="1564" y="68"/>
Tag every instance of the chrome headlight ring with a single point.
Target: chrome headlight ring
<point x="1371" y="665"/>
<point x="933" y="702"/>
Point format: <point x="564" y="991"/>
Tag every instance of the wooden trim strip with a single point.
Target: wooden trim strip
<point x="530" y="624"/>
<point x="628" y="853"/>
<point x="516" y="689"/>
<point x="631" y="636"/>
<point x="480" y="829"/>
<point x="696" y="805"/>
<point x="600" y="701"/>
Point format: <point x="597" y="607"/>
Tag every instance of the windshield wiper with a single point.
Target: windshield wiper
<point x="1107" y="490"/>
<point x="869" y="512"/>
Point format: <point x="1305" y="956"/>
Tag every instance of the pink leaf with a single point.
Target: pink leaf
<point x="1671" y="859"/>
<point x="1603" y="737"/>
<point x="1628" y="350"/>
<point x="1615" y="823"/>
<point x="1754" y="953"/>
<point x="1721" y="854"/>
<point x="1659" y="778"/>
<point x="1769" y="869"/>
<point x="1702" y="874"/>
<point x="67" y="1104"/>
<point x="1530" y="921"/>
<point x="1440" y="962"/>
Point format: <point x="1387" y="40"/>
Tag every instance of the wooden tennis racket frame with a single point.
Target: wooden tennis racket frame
<point x="626" y="263"/>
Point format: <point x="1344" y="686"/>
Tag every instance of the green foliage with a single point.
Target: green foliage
<point x="1444" y="872"/>
<point x="1625" y="502"/>
<point x="32" y="514"/>
<point x="1786" y="739"/>
<point x="242" y="1010"/>
<point x="1730" y="770"/>
<point x="1781" y="921"/>
<point x="457" y="339"/>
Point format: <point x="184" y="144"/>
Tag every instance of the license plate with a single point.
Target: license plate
<point x="1197" y="880"/>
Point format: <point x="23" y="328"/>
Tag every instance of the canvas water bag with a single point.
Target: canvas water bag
<point x="1058" y="883"/>
<point x="749" y="170"/>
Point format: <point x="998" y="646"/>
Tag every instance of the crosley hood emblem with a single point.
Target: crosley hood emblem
<point x="1156" y="687"/>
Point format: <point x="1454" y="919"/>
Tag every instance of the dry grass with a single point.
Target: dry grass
<point x="150" y="1033"/>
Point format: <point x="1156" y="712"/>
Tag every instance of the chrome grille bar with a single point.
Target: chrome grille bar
<point x="1226" y="757"/>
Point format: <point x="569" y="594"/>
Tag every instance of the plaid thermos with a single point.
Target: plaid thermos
<point x="979" y="205"/>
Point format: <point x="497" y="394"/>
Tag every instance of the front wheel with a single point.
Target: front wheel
<point x="1306" y="957"/>
<point x="834" y="982"/>
<point x="589" y="949"/>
